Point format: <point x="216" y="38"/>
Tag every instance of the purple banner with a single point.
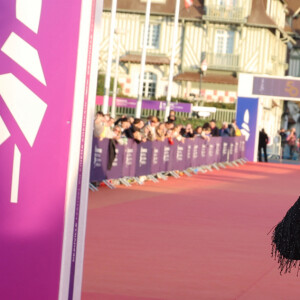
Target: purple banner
<point x="129" y="160"/>
<point x="116" y="170"/>
<point x="143" y="159"/>
<point x="203" y="153"/>
<point x="247" y="121"/>
<point x="153" y="157"/>
<point x="218" y="149"/>
<point x="99" y="160"/>
<point x="147" y="104"/>
<point x="38" y="68"/>
<point x="195" y="152"/>
<point x="211" y="151"/>
<point x="188" y="155"/>
<point x="156" y="165"/>
<point x="166" y="156"/>
<point x="277" y="87"/>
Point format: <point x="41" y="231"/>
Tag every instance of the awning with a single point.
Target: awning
<point x="209" y="78"/>
<point x="150" y="59"/>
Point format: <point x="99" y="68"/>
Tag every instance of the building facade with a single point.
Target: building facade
<point x="231" y="36"/>
<point x="291" y="116"/>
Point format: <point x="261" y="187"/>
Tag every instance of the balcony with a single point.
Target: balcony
<point x="225" y="14"/>
<point x="223" y="61"/>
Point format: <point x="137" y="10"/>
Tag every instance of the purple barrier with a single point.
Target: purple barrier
<point x="218" y="149"/>
<point x="166" y="156"/>
<point x="129" y="161"/>
<point x="178" y="156"/>
<point x="211" y="151"/>
<point x="188" y="158"/>
<point x="143" y="159"/>
<point x="116" y="170"/>
<point x="157" y="158"/>
<point x="153" y="157"/>
<point x="242" y="148"/>
<point x="99" y="160"/>
<point x="196" y="152"/>
<point x="203" y="153"/>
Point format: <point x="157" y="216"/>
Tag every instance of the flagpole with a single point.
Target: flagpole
<point x="138" y="109"/>
<point x="171" y="71"/>
<point x="113" y="105"/>
<point x="109" y="59"/>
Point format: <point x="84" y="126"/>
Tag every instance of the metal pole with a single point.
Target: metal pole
<point x="200" y="94"/>
<point x="171" y="72"/>
<point x="138" y="109"/>
<point x="113" y="105"/>
<point x="109" y="59"/>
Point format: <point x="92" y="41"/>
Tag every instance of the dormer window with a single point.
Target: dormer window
<point x="153" y="36"/>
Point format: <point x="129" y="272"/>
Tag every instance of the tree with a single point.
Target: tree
<point x="100" y="85"/>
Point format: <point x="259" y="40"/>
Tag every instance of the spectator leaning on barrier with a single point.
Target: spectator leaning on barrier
<point x="137" y="125"/>
<point x="234" y="129"/>
<point x="99" y="124"/>
<point x="188" y="131"/>
<point x="172" y="117"/>
<point x="224" y="131"/>
<point x="206" y="132"/>
<point x="214" y="128"/>
<point x="124" y="124"/>
<point x="150" y="131"/>
<point x="161" y="132"/>
<point x="198" y="131"/>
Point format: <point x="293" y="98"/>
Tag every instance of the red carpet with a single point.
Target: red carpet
<point x="200" y="237"/>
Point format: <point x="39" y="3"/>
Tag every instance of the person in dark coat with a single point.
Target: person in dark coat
<point x="214" y="128"/>
<point x="262" y="145"/>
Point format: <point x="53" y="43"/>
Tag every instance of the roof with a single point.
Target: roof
<point x="294" y="10"/>
<point x="167" y="8"/>
<point x="259" y="16"/>
<point x="150" y="59"/>
<point x="209" y="78"/>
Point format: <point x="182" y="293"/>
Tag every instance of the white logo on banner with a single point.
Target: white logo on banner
<point x="245" y="126"/>
<point x="26" y="107"/>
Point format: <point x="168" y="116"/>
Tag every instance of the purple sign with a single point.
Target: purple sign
<point x="156" y="165"/>
<point x="99" y="160"/>
<point x="247" y="119"/>
<point x="276" y="87"/>
<point x="153" y="157"/>
<point x="147" y="104"/>
<point x="129" y="160"/>
<point x="38" y="69"/>
<point x="218" y="149"/>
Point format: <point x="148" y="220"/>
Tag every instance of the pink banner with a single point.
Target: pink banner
<point x="38" y="59"/>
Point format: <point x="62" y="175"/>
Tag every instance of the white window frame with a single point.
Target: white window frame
<point x="149" y="85"/>
<point x="224" y="41"/>
<point x="231" y="3"/>
<point x="151" y="42"/>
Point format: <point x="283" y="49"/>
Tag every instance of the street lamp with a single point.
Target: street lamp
<point x="203" y="68"/>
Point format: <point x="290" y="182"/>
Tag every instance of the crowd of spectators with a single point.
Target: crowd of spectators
<point x="153" y="129"/>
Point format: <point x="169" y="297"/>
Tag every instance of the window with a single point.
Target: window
<point x="227" y="2"/>
<point x="149" y="85"/>
<point x="153" y="36"/>
<point x="224" y="42"/>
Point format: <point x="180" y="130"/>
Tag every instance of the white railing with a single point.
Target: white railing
<point x="225" y="14"/>
<point x="223" y="61"/>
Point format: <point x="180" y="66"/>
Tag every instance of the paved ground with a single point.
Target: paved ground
<point x="200" y="237"/>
